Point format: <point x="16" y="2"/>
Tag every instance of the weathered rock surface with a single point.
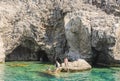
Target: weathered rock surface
<point x="87" y="29"/>
<point x="78" y="39"/>
<point x="79" y="65"/>
<point x="109" y="6"/>
<point x="40" y="22"/>
<point x="2" y="51"/>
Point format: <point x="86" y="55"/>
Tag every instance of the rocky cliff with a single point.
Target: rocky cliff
<point x="50" y="29"/>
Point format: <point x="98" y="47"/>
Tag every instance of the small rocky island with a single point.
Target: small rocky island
<point x="31" y="30"/>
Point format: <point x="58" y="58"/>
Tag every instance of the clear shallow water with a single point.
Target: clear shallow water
<point x="34" y="71"/>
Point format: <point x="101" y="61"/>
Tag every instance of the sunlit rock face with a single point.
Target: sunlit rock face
<point x="39" y="21"/>
<point x="109" y="6"/>
<point x="2" y="50"/>
<point x="85" y="29"/>
<point x="78" y="65"/>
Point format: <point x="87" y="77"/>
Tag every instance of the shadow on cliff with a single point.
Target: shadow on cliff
<point x="103" y="56"/>
<point x="55" y="33"/>
<point x="26" y="52"/>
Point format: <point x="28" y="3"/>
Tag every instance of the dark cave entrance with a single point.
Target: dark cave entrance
<point x="21" y="54"/>
<point x="42" y="56"/>
<point x="26" y="54"/>
<point x="101" y="58"/>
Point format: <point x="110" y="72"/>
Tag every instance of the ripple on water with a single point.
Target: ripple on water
<point x="34" y="71"/>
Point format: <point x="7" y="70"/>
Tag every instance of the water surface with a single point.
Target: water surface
<point x="34" y="71"/>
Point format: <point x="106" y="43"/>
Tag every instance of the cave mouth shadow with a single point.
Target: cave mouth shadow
<point x="101" y="59"/>
<point x="26" y="54"/>
<point x="42" y="56"/>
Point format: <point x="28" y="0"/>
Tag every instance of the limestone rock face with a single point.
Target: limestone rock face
<point x="37" y="25"/>
<point x="79" y="65"/>
<point x="78" y="38"/>
<point x="2" y="50"/>
<point x="87" y="29"/>
<point x="109" y="6"/>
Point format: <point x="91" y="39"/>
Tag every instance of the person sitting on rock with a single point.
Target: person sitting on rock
<point x="57" y="64"/>
<point x="66" y="63"/>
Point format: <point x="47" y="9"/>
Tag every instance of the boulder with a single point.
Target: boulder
<point x="79" y="65"/>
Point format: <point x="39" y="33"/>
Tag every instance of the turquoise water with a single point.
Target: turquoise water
<point x="34" y="71"/>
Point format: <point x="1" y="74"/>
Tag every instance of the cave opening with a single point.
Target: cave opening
<point x="25" y="54"/>
<point x="42" y="56"/>
<point x="21" y="54"/>
<point x="95" y="57"/>
<point x="101" y="58"/>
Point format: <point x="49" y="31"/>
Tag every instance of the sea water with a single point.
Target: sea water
<point x="35" y="71"/>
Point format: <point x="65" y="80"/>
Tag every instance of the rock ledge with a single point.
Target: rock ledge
<point x="79" y="65"/>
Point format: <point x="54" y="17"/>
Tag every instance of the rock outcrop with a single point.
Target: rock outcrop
<point x="87" y="29"/>
<point x="78" y="39"/>
<point x="75" y="66"/>
<point x="109" y="6"/>
<point x="2" y="51"/>
<point x="35" y="25"/>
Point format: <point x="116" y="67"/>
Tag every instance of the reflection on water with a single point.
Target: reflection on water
<point x="116" y="73"/>
<point x="35" y="71"/>
<point x="2" y="67"/>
